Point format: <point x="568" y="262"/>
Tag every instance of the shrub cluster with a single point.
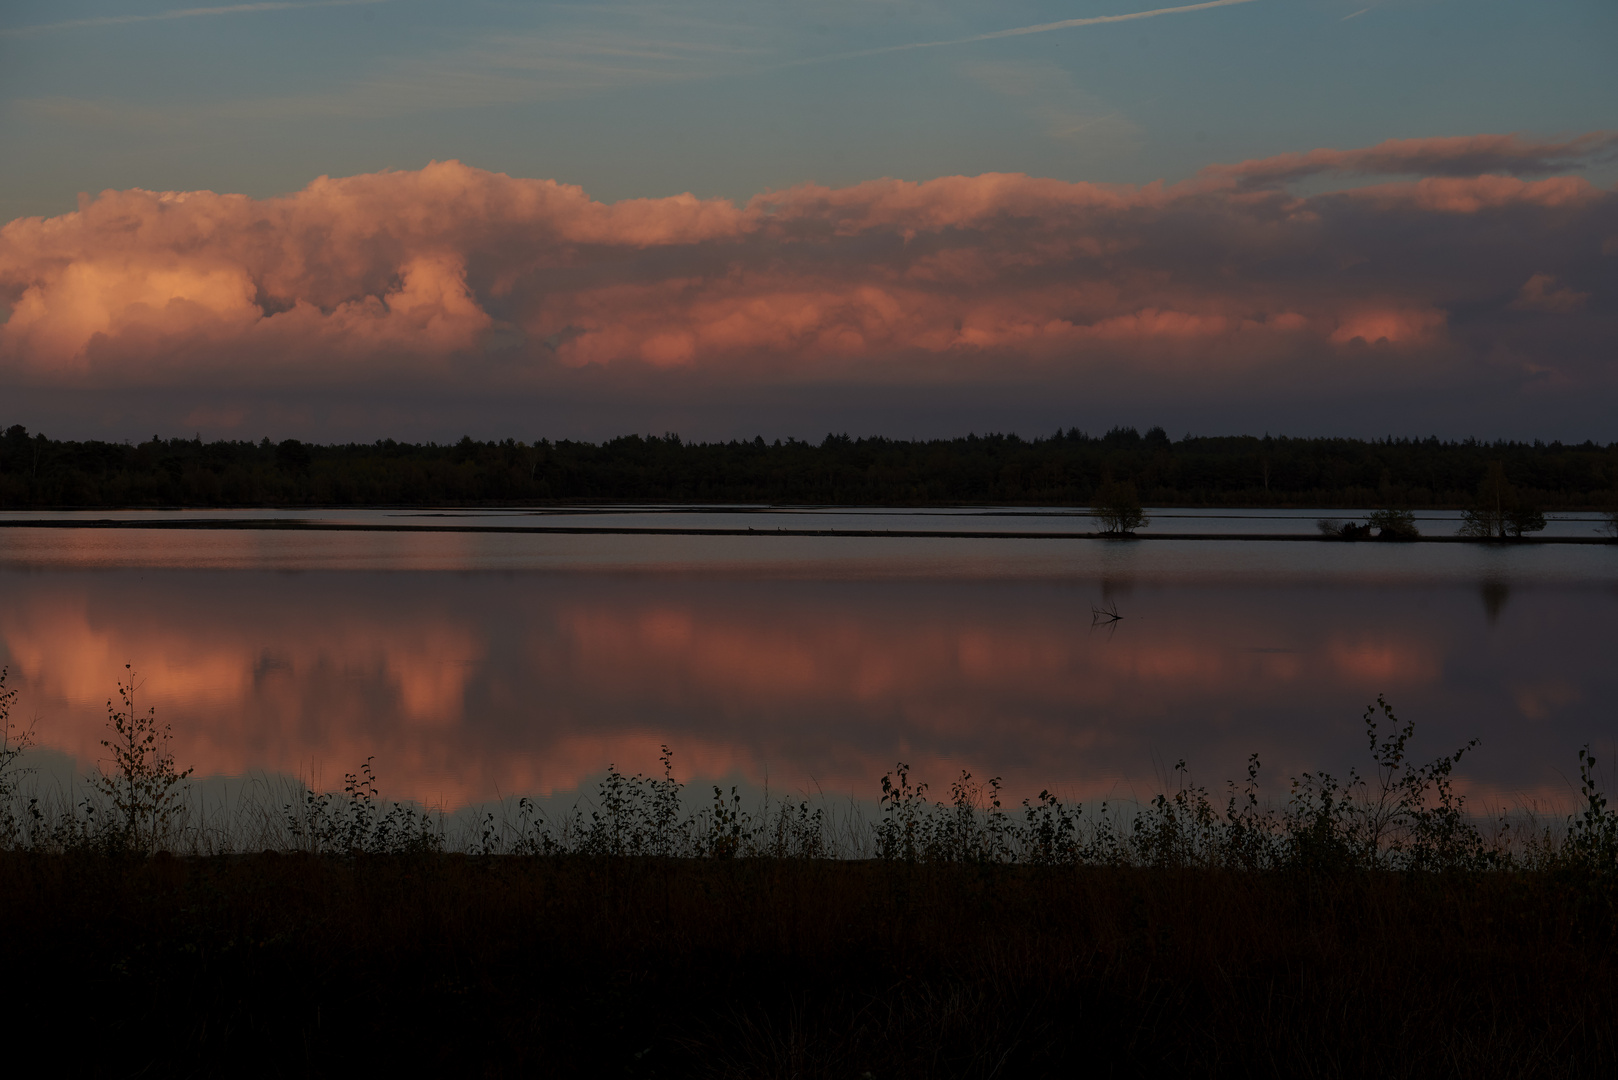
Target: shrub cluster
<point x="1401" y="816"/>
<point x="357" y="821"/>
<point x="646" y="816"/>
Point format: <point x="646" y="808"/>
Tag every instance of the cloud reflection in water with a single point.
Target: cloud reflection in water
<point x="469" y="685"/>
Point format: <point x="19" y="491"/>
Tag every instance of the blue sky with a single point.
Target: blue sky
<point x="1460" y="280"/>
<point x="732" y="98"/>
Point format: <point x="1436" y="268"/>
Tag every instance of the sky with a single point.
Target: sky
<point x="359" y="219"/>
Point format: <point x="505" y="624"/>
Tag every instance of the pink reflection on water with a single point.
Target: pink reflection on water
<point x="466" y="687"/>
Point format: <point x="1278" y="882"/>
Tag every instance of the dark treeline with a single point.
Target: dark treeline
<point x="1064" y="469"/>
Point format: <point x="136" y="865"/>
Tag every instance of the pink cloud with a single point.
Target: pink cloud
<point x="1391" y="325"/>
<point x="1450" y="195"/>
<point x="1542" y="292"/>
<point x="428" y="274"/>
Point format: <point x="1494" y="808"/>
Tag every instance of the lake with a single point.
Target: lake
<point x="477" y="665"/>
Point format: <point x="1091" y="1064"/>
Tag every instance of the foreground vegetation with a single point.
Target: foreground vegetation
<point x="275" y="964"/>
<point x="1367" y="925"/>
<point x="1070" y="468"/>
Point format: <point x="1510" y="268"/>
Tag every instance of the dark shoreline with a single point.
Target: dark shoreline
<point x="281" y="524"/>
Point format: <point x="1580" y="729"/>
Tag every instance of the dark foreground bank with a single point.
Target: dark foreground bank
<point x="274" y="964"/>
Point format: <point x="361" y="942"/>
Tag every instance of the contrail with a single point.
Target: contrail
<point x="182" y="13"/>
<point x="1020" y="31"/>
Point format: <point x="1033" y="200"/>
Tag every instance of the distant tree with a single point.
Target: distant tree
<point x="1334" y="529"/>
<point x="1117" y="508"/>
<point x="1480" y="522"/>
<point x="1486" y="517"/>
<point x="1523" y="518"/>
<point x="1499" y="511"/>
<point x="293" y="457"/>
<point x="1395" y="525"/>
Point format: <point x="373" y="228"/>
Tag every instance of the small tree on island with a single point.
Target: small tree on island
<point x="1499" y="511"/>
<point x="1395" y="525"/>
<point x="1117" y="508"/>
<point x="1523" y="518"/>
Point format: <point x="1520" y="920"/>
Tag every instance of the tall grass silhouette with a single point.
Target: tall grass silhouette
<point x="1400" y="815"/>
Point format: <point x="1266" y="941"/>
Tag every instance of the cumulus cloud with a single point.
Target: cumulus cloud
<point x="471" y="278"/>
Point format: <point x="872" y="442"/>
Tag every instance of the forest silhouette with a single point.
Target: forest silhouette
<point x="1067" y="468"/>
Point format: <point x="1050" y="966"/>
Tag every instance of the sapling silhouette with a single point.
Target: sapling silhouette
<point x="1592" y="836"/>
<point x="13" y="743"/>
<point x="144" y="786"/>
<point x="902" y="832"/>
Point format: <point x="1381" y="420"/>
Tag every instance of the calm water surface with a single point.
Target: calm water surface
<point x="479" y="665"/>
